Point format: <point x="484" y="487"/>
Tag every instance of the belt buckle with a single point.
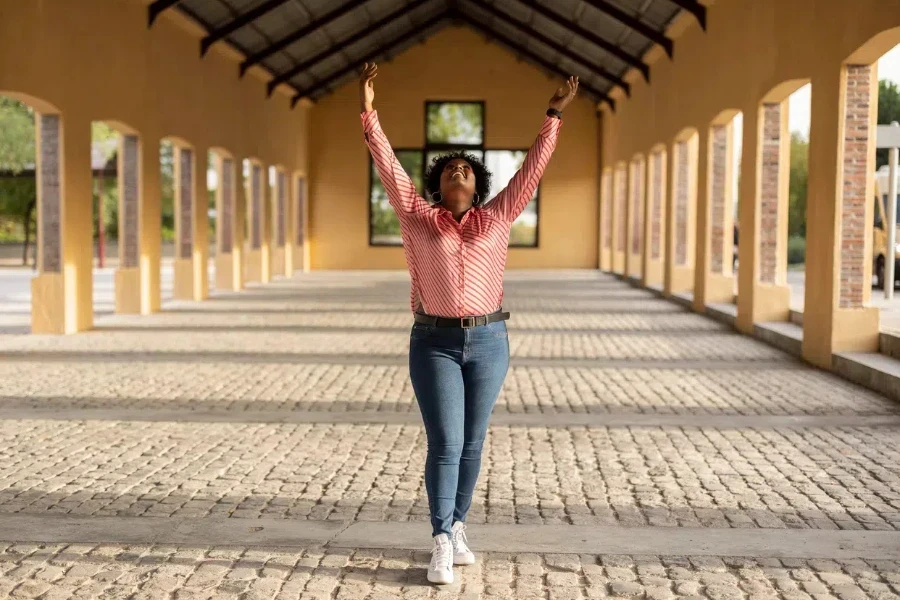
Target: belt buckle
<point x="467" y="322"/>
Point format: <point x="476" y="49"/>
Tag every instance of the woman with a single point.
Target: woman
<point x="455" y="249"/>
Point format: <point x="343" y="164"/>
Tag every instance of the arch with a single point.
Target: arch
<point x="873" y="49"/>
<point x="34" y="102"/>
<point x="783" y="90"/>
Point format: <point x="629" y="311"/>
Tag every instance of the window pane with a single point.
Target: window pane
<point x="503" y="165"/>
<point x="432" y="154"/>
<point x="454" y="123"/>
<point x="384" y="226"/>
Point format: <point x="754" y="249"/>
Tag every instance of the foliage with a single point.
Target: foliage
<point x="796" y="250"/>
<point x="523" y="234"/>
<point x="797" y="194"/>
<point x="455" y="123"/>
<point x="17" y="145"/>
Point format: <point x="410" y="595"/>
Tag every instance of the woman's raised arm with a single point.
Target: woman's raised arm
<point x="399" y="187"/>
<point x="510" y="202"/>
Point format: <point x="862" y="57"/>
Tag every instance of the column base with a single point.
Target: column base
<point x="183" y="285"/>
<point x="765" y="303"/>
<point x="605" y="260"/>
<point x="618" y="263"/>
<point x="852" y="330"/>
<point x="128" y="291"/>
<point x="635" y="266"/>
<point x="278" y="261"/>
<point x="681" y="279"/>
<point x="719" y="289"/>
<point x="653" y="273"/>
<point x="254" y="267"/>
<point x="48" y="305"/>
<point x="225" y="275"/>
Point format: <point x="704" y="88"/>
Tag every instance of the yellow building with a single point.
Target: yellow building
<point x="640" y="183"/>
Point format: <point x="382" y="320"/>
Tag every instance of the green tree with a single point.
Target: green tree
<point x="104" y="144"/>
<point x="888" y="111"/>
<point x="18" y="195"/>
<point x="797" y="190"/>
<point x="454" y="123"/>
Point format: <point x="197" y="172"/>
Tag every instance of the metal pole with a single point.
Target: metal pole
<point x="891" y="225"/>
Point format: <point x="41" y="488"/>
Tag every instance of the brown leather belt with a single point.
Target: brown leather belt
<point x="463" y="322"/>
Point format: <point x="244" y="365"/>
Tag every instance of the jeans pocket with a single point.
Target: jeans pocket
<point x="420" y="331"/>
<point x="498" y="329"/>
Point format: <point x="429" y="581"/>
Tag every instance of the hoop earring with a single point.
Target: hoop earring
<point x="477" y="200"/>
<point x="437" y="198"/>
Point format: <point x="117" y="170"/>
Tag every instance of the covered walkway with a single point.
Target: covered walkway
<point x="267" y="444"/>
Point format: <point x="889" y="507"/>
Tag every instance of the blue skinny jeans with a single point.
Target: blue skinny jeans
<point x="457" y="375"/>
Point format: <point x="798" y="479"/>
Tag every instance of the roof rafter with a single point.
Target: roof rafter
<point x="573" y="56"/>
<point x="588" y="35"/>
<point x="242" y="21"/>
<point x="303" y="31"/>
<point x="695" y="8"/>
<point x="632" y="23"/>
<point x="344" y="43"/>
<point x="531" y="56"/>
<point x="155" y="9"/>
<point x="417" y="30"/>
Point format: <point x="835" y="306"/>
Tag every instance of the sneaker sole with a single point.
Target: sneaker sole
<point x="464" y="560"/>
<point x="440" y="579"/>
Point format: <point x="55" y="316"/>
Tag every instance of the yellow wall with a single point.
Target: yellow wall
<point x="97" y="60"/>
<point x="455" y="64"/>
<point x="749" y="49"/>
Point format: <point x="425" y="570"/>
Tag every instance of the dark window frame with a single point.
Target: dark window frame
<point x="372" y="242"/>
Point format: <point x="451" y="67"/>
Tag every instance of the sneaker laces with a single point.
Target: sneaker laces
<point x="441" y="555"/>
<point x="460" y="539"/>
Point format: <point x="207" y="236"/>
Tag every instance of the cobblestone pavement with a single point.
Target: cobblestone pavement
<point x="328" y="343"/>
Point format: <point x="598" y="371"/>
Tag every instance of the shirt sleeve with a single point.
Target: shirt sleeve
<point x="399" y="187"/>
<point x="509" y="203"/>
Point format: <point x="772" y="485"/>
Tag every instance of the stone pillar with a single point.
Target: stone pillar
<point x="290" y="225"/>
<point x="258" y="257"/>
<point x="654" y="219"/>
<point x="128" y="289"/>
<point x="840" y="214"/>
<point x="679" y="262"/>
<point x="620" y="218"/>
<point x="714" y="275"/>
<point x="150" y="227"/>
<point x="229" y="273"/>
<point x="606" y="214"/>
<point x="278" y="224"/>
<point x="634" y="266"/>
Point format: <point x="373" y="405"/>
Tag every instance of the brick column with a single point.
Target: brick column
<point x="652" y="265"/>
<point x="679" y="264"/>
<point x="278" y="225"/>
<point x="636" y="219"/>
<point x="128" y="288"/>
<point x="258" y="257"/>
<point x="855" y="233"/>
<point x="718" y="167"/>
<point x="620" y="218"/>
<point x="48" y="294"/>
<point x="301" y="260"/>
<point x="772" y="208"/>
<point x="184" y="223"/>
<point x="606" y="214"/>
<point x="228" y="265"/>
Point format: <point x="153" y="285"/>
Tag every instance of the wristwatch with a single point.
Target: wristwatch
<point x="552" y="112"/>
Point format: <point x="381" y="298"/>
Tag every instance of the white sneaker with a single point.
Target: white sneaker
<point x="461" y="553"/>
<point x="441" y="568"/>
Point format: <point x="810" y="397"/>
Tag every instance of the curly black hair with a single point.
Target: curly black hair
<point x="482" y="175"/>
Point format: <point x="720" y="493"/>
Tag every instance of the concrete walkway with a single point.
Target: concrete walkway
<point x="267" y="445"/>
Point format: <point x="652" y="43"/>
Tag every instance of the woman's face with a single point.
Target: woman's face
<point x="457" y="177"/>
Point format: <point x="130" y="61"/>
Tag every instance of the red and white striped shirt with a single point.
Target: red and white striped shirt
<point x="457" y="268"/>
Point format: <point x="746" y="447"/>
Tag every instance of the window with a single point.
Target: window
<point x="450" y="126"/>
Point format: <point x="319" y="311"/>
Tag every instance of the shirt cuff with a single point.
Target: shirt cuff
<point x="551" y="126"/>
<point x="369" y="120"/>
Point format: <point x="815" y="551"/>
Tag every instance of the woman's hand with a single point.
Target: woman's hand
<point x="366" y="86"/>
<point x="564" y="94"/>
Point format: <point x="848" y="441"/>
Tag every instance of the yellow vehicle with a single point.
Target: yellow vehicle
<point x="879" y="237"/>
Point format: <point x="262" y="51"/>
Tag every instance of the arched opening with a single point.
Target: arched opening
<point x="683" y="215"/>
<point x="606" y="219"/>
<point x="636" y="193"/>
<point x="620" y="218"/>
<point x="654" y="222"/>
<point x="723" y="174"/>
<point x="301" y="224"/>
